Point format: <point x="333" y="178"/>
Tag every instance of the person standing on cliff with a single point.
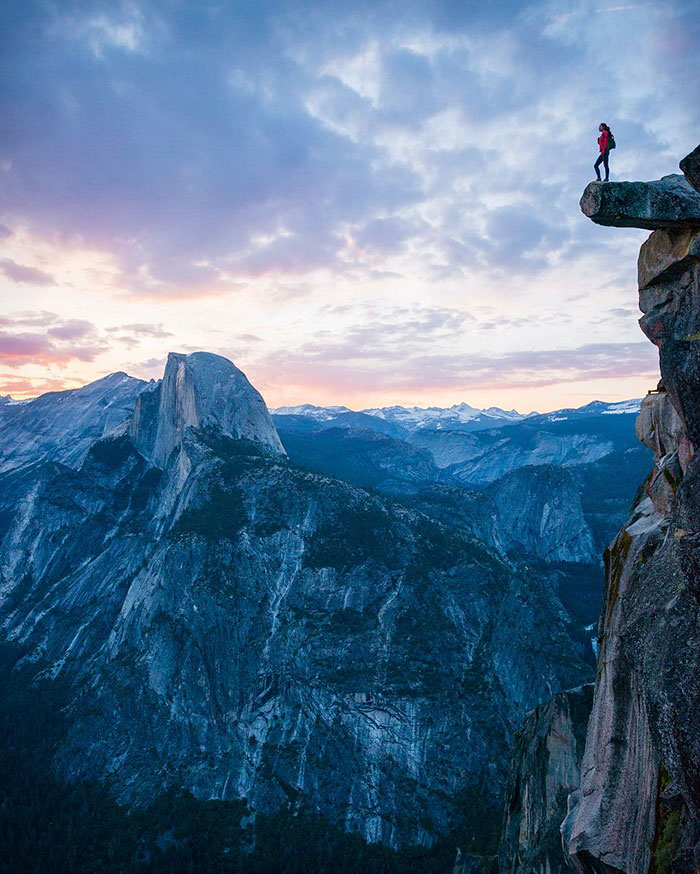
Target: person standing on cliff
<point x="605" y="143"/>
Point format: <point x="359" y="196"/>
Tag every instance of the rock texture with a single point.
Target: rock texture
<point x="61" y="426"/>
<point x="236" y="626"/>
<point x="198" y="391"/>
<point x="670" y="202"/>
<point x="546" y="761"/>
<point x="690" y="165"/>
<point x="537" y="511"/>
<point x="477" y="459"/>
<point x="638" y="808"/>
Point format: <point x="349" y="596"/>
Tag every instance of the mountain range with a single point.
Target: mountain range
<point x="231" y="617"/>
<point x="359" y="642"/>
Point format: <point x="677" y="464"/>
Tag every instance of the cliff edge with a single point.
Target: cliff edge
<point x="638" y="807"/>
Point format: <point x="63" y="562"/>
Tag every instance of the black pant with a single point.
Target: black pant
<point x="602" y="159"/>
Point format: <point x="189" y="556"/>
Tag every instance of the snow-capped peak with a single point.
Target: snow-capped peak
<point x="319" y="414"/>
<point x="623" y="407"/>
<point x="442" y="417"/>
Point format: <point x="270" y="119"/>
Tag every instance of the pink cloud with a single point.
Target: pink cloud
<point x="23" y="387"/>
<point x="61" y="341"/>
<point x="21" y="273"/>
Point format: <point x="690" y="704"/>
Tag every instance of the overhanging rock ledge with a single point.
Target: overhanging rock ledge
<point x="670" y="202"/>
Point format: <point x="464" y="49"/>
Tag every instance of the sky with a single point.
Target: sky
<point x="361" y="203"/>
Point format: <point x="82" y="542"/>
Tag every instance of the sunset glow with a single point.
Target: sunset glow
<point x="355" y="208"/>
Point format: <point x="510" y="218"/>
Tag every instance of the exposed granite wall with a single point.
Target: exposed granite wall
<point x="638" y="807"/>
<point x="546" y="763"/>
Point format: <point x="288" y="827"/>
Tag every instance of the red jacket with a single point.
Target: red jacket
<point x="603" y="141"/>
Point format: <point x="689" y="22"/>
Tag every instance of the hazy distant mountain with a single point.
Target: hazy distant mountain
<point x="318" y="414"/>
<point x="571" y="517"/>
<point x="459" y="416"/>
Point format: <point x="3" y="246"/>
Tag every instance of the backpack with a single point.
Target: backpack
<point x="611" y="140"/>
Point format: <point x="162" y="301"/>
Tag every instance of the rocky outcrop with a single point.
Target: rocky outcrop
<point x="613" y="817"/>
<point x="198" y="391"/>
<point x="690" y="165"/>
<point x="660" y="428"/>
<point x="664" y="258"/>
<point x="638" y="809"/>
<point x="670" y="202"/>
<point x="546" y="761"/>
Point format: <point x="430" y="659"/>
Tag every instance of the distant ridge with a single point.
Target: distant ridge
<point x="459" y="417"/>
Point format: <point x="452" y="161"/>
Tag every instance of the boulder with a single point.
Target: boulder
<point x="690" y="165"/>
<point x="670" y="202"/>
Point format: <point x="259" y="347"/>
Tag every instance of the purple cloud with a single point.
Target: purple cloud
<point x="141" y="330"/>
<point x="21" y="273"/>
<point x="74" y="329"/>
<point x="191" y="142"/>
<point x="60" y="342"/>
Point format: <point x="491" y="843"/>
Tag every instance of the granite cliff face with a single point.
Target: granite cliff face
<point x="536" y="511"/>
<point x="200" y="390"/>
<point x="546" y="762"/>
<point x="231" y="624"/>
<point x="638" y="808"/>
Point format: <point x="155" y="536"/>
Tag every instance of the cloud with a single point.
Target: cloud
<point x="386" y="235"/>
<point x="134" y="334"/>
<point x="151" y="368"/>
<point x="417" y="371"/>
<point x="29" y="319"/>
<point x="141" y="330"/>
<point x="60" y="341"/>
<point x="74" y="329"/>
<point x="278" y="153"/>
<point x="516" y="237"/>
<point x="21" y="273"/>
<point x="240" y="140"/>
<point x="390" y="334"/>
<point x="22" y="386"/>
